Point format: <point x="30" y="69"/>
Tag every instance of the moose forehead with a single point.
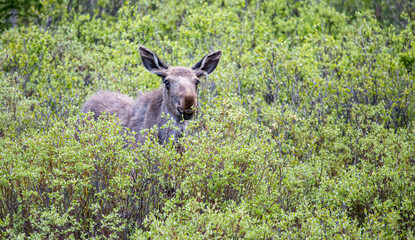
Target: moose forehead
<point x="181" y="73"/>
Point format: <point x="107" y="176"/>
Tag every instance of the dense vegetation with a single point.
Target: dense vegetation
<point x="305" y="129"/>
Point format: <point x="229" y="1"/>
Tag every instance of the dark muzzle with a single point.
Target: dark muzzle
<point x="187" y="114"/>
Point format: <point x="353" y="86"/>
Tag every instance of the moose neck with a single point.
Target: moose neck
<point x="178" y="128"/>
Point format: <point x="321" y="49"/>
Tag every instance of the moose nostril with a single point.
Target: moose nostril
<point x="189" y="111"/>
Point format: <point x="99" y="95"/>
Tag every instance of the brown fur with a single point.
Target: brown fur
<point x="175" y="101"/>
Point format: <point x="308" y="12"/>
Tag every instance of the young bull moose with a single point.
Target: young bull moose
<point x="176" y="100"/>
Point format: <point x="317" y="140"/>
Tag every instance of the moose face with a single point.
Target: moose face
<point x="180" y="83"/>
<point x="180" y="91"/>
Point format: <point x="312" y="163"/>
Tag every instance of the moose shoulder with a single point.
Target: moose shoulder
<point x="176" y="100"/>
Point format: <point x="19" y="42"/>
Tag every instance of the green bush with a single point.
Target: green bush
<point x="77" y="180"/>
<point x="305" y="129"/>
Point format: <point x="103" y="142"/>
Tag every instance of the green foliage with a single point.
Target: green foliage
<point x="13" y="12"/>
<point x="386" y="11"/>
<point x="77" y="180"/>
<point x="305" y="129"/>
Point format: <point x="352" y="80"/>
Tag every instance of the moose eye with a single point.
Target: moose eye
<point x="197" y="82"/>
<point x="167" y="83"/>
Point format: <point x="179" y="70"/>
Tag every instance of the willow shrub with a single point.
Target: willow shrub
<point x="305" y="130"/>
<point x="75" y="180"/>
<point x="334" y="182"/>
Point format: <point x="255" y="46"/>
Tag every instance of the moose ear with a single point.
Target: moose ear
<point x="207" y="64"/>
<point x="151" y="61"/>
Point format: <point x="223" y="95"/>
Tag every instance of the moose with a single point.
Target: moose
<point x="175" y="101"/>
